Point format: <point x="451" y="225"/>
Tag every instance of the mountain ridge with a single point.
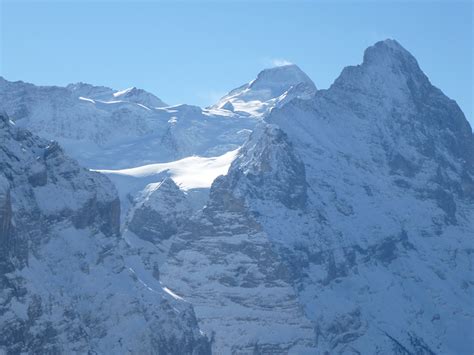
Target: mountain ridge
<point x="341" y="222"/>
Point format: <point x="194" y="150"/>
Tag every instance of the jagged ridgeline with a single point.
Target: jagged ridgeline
<point x="281" y="220"/>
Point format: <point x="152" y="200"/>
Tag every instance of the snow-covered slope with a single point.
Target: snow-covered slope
<point x="108" y="129"/>
<point x="189" y="173"/>
<point x="268" y="90"/>
<point x="81" y="124"/>
<point x="139" y="96"/>
<point x="68" y="282"/>
<point x="194" y="176"/>
<point x="115" y="130"/>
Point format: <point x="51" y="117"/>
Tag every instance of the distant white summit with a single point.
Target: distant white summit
<point x="270" y="87"/>
<point x="279" y="79"/>
<point x="139" y="96"/>
<point x="387" y="70"/>
<point x="107" y="95"/>
<point x="386" y="50"/>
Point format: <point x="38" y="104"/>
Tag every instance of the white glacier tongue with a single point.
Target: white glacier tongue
<point x="194" y="175"/>
<point x="271" y="86"/>
<point x="189" y="173"/>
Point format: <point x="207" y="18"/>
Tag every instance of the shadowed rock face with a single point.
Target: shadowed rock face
<point x="268" y="169"/>
<point x="224" y="264"/>
<point x="65" y="281"/>
<point x="40" y="171"/>
<point x="158" y="211"/>
<point x="6" y="226"/>
<point x="222" y="261"/>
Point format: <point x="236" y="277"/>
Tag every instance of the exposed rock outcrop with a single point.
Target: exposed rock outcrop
<point x="68" y="282"/>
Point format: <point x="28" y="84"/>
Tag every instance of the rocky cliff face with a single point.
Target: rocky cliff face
<point x="361" y="197"/>
<point x="6" y="220"/>
<point x="223" y="263"/>
<point x="380" y="254"/>
<point x="69" y="283"/>
<point x="220" y="260"/>
<point x="267" y="168"/>
<point x="159" y="210"/>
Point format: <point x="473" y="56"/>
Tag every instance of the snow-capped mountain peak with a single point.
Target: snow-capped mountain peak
<point x="90" y="91"/>
<point x="280" y="79"/>
<point x="259" y="96"/>
<point x="109" y="95"/>
<point x="124" y="92"/>
<point x="388" y="50"/>
<point x="388" y="72"/>
<point x="139" y="96"/>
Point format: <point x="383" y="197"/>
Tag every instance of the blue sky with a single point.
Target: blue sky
<point x="193" y="52"/>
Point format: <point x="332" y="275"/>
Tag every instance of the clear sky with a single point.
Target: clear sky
<point x="194" y="51"/>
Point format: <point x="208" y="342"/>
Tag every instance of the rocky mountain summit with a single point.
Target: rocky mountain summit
<point x="342" y="223"/>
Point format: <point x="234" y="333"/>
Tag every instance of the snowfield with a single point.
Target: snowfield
<point x="189" y="173"/>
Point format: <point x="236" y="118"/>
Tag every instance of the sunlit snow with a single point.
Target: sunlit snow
<point x="123" y="92"/>
<point x="189" y="173"/>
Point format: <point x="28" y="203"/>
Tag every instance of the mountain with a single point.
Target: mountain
<point x="139" y="96"/>
<point x="106" y="129"/>
<point x="69" y="283"/>
<point x="66" y="114"/>
<point x="223" y="262"/>
<point x="269" y="88"/>
<point x="342" y="222"/>
<point x="364" y="196"/>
